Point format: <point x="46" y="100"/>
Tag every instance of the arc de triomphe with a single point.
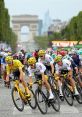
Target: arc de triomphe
<point x="32" y="22"/>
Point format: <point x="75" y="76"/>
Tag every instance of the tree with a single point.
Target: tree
<point x="6" y="33"/>
<point x="73" y="30"/>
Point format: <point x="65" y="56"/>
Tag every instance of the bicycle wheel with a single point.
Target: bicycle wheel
<point x="41" y="101"/>
<point x="67" y="95"/>
<point x="55" y="102"/>
<point x="19" y="104"/>
<point x="32" y="102"/>
<point x="79" y="97"/>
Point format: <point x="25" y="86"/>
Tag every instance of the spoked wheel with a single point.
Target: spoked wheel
<point x="55" y="102"/>
<point x="32" y="102"/>
<point x="41" y="101"/>
<point x="18" y="102"/>
<point x="79" y="97"/>
<point x="67" y="95"/>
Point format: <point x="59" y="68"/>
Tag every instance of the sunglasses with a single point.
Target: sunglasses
<point x="59" y="62"/>
<point x="31" y="64"/>
<point x="41" y="56"/>
<point x="9" y="62"/>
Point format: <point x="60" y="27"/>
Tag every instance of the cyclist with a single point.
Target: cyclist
<point x="21" y="57"/>
<point x="17" y="68"/>
<point x="36" y="54"/>
<point x="38" y="69"/>
<point x="77" y="61"/>
<point x="27" y="56"/>
<point x="3" y="64"/>
<point x="47" y="60"/>
<point x="0" y="65"/>
<point x="64" y="65"/>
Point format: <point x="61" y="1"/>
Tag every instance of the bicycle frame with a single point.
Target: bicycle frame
<point x="39" y="82"/>
<point x="16" y="84"/>
<point x="65" y="81"/>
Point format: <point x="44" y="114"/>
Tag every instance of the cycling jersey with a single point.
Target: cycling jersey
<point x="28" y="55"/>
<point x="53" y="56"/>
<point x="39" y="68"/>
<point x="76" y="60"/>
<point x="15" y="65"/>
<point x="47" y="60"/>
<point x="67" y="57"/>
<point x="66" y="65"/>
<point x="73" y="65"/>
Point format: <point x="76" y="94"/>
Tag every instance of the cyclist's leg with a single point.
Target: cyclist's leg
<point x="59" y="83"/>
<point x="72" y="82"/>
<point x="48" y="87"/>
<point x="7" y="81"/>
<point x="80" y="78"/>
<point x="17" y="74"/>
<point x="25" y="85"/>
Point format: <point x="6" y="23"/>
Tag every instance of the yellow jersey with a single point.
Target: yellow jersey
<point x="15" y="65"/>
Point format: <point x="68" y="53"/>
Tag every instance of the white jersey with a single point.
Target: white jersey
<point x="66" y="65"/>
<point x="47" y="60"/>
<point x="39" y="69"/>
<point x="67" y="57"/>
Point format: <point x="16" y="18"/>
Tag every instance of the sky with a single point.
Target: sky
<point x="58" y="9"/>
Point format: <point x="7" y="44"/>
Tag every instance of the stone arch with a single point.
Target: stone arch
<point x="25" y="33"/>
<point x="31" y="21"/>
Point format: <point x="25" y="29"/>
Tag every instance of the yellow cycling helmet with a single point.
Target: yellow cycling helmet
<point x="41" y="52"/>
<point x="58" y="58"/>
<point x="9" y="59"/>
<point x="9" y="53"/>
<point x="31" y="60"/>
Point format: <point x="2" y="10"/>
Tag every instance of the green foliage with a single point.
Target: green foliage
<point x="42" y="41"/>
<point x="45" y="41"/>
<point x="6" y="34"/>
<point x="73" y="30"/>
<point x="55" y="36"/>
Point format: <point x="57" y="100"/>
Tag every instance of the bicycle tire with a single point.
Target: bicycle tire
<point x="67" y="94"/>
<point x="79" y="97"/>
<point x="55" y="102"/>
<point x="38" y="94"/>
<point x="14" y="101"/>
<point x="33" y="106"/>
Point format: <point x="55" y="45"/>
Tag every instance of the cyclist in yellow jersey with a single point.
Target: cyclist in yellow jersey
<point x="17" y="68"/>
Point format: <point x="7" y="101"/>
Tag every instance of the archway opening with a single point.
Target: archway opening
<point x="24" y="33"/>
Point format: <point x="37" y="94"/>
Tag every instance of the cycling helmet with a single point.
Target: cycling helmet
<point x="63" y="53"/>
<point x="9" y="53"/>
<point x="9" y="59"/>
<point x="58" y="58"/>
<point x="41" y="52"/>
<point x="31" y="60"/>
<point x="28" y="55"/>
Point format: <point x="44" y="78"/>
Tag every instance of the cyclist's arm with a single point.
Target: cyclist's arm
<point x="51" y="63"/>
<point x="30" y="76"/>
<point x="69" y="71"/>
<point x="21" y="73"/>
<point x="42" y="69"/>
<point x="52" y="68"/>
<point x="7" y="72"/>
<point x="74" y="66"/>
<point x="30" y="80"/>
<point x="43" y="77"/>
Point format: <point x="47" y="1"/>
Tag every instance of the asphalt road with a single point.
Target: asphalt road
<point x="7" y="108"/>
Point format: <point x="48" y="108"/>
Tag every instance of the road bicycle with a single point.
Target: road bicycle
<point x="68" y="91"/>
<point x="20" y="97"/>
<point x="42" y="96"/>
